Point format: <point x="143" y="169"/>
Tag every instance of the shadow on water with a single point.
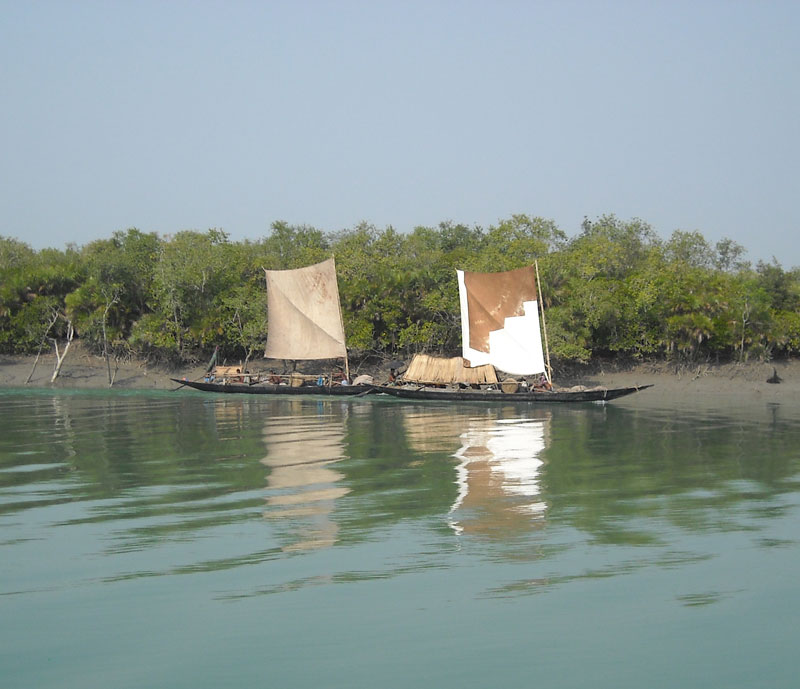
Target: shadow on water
<point x="253" y="480"/>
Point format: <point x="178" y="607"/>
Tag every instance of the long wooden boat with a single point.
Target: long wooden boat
<point x="413" y="392"/>
<point x="270" y="389"/>
<point x="305" y="321"/>
<point x="502" y="327"/>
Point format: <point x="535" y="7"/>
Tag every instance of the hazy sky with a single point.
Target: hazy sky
<point x="189" y="115"/>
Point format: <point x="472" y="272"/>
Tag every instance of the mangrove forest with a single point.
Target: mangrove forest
<point x="614" y="289"/>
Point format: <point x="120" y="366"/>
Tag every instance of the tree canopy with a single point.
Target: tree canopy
<point x="614" y="289"/>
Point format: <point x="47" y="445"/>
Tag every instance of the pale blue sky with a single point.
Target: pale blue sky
<point x="189" y="115"/>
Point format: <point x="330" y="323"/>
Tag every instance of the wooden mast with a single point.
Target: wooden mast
<point x="341" y="322"/>
<point x="549" y="371"/>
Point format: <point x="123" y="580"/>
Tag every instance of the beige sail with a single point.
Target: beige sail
<point x="500" y="320"/>
<point x="305" y="318"/>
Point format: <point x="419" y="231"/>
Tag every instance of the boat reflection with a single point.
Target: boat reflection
<point x="431" y="430"/>
<point x="302" y="482"/>
<point x="498" y="476"/>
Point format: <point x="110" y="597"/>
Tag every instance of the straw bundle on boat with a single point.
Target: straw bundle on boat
<point x="431" y="370"/>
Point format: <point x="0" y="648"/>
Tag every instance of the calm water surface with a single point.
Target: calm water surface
<point x="190" y="540"/>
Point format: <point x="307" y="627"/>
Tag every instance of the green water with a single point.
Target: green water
<point x="190" y="540"/>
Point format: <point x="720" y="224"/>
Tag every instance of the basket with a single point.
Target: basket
<point x="509" y="386"/>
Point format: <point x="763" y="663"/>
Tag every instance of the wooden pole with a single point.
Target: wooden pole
<point x="549" y="371"/>
<point x="341" y="321"/>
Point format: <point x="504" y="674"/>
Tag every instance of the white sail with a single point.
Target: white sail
<point x="500" y="320"/>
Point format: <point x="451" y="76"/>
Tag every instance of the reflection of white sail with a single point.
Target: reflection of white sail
<point x="302" y="483"/>
<point x="498" y="475"/>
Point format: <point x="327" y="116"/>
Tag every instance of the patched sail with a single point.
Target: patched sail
<point x="500" y="320"/>
<point x="305" y="318"/>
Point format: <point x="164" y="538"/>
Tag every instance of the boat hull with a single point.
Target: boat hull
<point x="268" y="389"/>
<point x="539" y="396"/>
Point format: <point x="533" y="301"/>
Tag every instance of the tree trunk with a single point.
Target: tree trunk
<point x="53" y="320"/>
<point x="116" y="368"/>
<point x="109" y="303"/>
<point x="105" y="354"/>
<point x="60" y="357"/>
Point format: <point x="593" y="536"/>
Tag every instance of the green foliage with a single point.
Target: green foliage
<point x="729" y="255"/>
<point x="33" y="287"/>
<point x="785" y="332"/>
<point x="13" y="254"/>
<point x="567" y="340"/>
<point x="290" y="246"/>
<point x="782" y="288"/>
<point x="690" y="249"/>
<point x="117" y="287"/>
<point x="611" y="247"/>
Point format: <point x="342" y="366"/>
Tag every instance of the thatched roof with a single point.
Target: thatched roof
<point x="430" y="369"/>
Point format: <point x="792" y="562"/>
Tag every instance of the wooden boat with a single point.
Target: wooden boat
<point x="422" y="392"/>
<point x="502" y="327"/>
<point x="261" y="388"/>
<point x="305" y="320"/>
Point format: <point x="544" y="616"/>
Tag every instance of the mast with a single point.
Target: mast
<point x="549" y="370"/>
<point x="341" y="321"/>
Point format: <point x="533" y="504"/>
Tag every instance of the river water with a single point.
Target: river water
<point x="191" y="540"/>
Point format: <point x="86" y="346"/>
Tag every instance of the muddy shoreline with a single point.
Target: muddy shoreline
<point x="82" y="370"/>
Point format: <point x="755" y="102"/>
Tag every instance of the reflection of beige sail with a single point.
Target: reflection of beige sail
<point x="498" y="476"/>
<point x="305" y="318"/>
<point x="302" y="482"/>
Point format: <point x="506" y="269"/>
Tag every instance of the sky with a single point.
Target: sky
<point x="170" y="116"/>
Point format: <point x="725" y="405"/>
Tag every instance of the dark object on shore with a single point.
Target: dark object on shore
<point x="775" y="378"/>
